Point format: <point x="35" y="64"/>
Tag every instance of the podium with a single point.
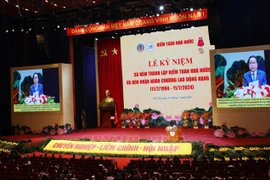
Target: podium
<point x="105" y="116"/>
<point x="175" y="136"/>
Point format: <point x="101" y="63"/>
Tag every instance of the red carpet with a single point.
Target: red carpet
<point x="134" y="134"/>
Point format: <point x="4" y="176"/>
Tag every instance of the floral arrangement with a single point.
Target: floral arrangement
<point x="38" y="99"/>
<point x="173" y="128"/>
<point x="50" y="130"/>
<point x="7" y="146"/>
<point x="133" y="118"/>
<point x="253" y="92"/>
<point x="238" y="132"/>
<point x="154" y="118"/>
<point x="197" y="118"/>
<point x="257" y="152"/>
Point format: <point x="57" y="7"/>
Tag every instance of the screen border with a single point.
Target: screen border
<point x="38" y="67"/>
<point x="213" y="80"/>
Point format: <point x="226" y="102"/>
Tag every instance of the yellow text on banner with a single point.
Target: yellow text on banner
<point x="120" y="148"/>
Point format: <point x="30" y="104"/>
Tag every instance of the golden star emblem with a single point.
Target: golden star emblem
<point x="104" y="53"/>
<point x="114" y="51"/>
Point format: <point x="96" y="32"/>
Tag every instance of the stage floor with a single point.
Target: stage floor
<point x="133" y="134"/>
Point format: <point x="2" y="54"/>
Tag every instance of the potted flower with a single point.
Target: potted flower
<point x="123" y="118"/>
<point x="185" y="116"/>
<point x="205" y="118"/>
<point x="172" y="130"/>
<point x="195" y="117"/>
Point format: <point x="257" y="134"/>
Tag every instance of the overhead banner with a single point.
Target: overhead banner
<point x="139" y="22"/>
<point x="167" y="71"/>
<point x="119" y="148"/>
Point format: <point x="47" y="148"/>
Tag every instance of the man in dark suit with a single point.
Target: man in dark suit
<point x="254" y="74"/>
<point x="36" y="88"/>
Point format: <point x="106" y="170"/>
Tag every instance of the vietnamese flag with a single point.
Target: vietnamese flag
<point x="110" y="72"/>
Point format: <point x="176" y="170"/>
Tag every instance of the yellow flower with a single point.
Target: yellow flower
<point x="223" y="149"/>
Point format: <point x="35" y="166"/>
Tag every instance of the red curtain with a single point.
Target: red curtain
<point x="110" y="71"/>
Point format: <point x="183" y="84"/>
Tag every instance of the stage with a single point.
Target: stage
<point x="157" y="134"/>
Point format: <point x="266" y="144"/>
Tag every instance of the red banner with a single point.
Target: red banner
<point x="139" y="22"/>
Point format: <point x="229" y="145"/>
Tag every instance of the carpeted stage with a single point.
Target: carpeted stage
<point x="133" y="134"/>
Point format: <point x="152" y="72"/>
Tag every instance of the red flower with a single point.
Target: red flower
<point x="231" y="134"/>
<point x="240" y="131"/>
<point x="52" y="132"/>
<point x="219" y="133"/>
<point x="262" y="134"/>
<point x="253" y="134"/>
<point x="60" y="131"/>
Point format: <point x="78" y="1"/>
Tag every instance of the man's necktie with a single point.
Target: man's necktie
<point x="253" y="77"/>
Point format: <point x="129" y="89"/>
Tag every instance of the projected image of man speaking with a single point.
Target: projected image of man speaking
<point x="254" y="74"/>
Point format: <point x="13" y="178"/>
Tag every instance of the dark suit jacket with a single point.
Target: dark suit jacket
<point x="260" y="76"/>
<point x="39" y="89"/>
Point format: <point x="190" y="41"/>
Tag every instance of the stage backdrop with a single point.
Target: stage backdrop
<point x="167" y="71"/>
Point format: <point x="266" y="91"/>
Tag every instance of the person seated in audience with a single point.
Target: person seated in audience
<point x="176" y="160"/>
<point x="109" y="176"/>
<point x="195" y="157"/>
<point x="160" y="160"/>
<point x="168" y="161"/>
<point x="44" y="175"/>
<point x="181" y="176"/>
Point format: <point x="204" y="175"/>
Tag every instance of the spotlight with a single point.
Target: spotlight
<point x="96" y="39"/>
<point x="22" y="30"/>
<point x="13" y="30"/>
<point x="192" y="27"/>
<point x="157" y="14"/>
<point x="161" y="8"/>
<point x="65" y="28"/>
<point x="58" y="26"/>
<point x="7" y="31"/>
<point x="191" y="9"/>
